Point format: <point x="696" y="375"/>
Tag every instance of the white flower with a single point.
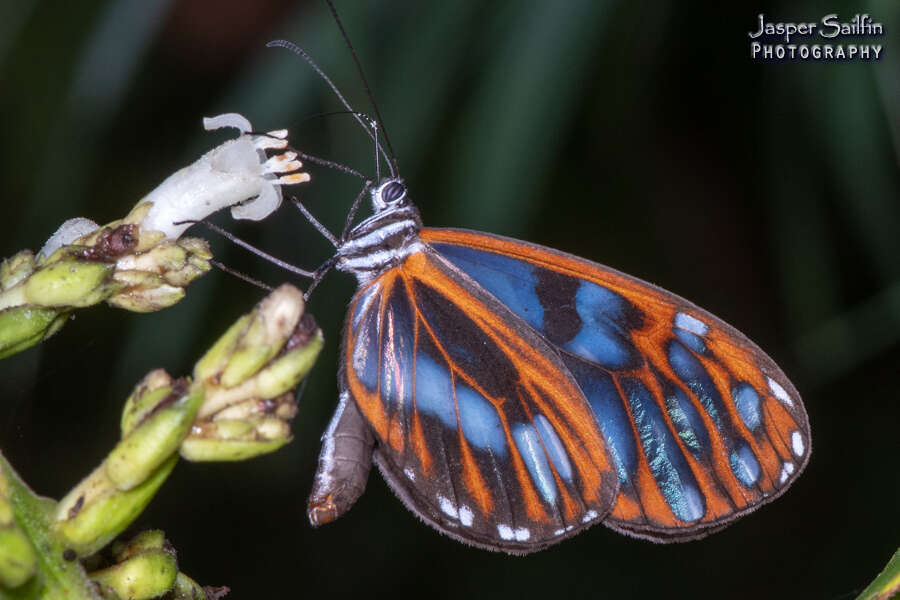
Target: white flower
<point x="236" y="174"/>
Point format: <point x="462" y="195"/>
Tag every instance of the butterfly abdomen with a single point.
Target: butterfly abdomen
<point x="344" y="464"/>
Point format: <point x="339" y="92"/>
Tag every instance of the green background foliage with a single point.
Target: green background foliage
<point x="640" y="135"/>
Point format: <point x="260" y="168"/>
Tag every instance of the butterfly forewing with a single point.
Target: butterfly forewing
<point x="701" y="424"/>
<point x="481" y="428"/>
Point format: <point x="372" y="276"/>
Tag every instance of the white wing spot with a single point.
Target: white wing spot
<point x="466" y="515"/>
<point x="797" y="443"/>
<point x="522" y="534"/>
<point x="410" y="474"/>
<point x="589" y="516"/>
<point x="505" y="531"/>
<point x="786" y="470"/>
<point x="448" y="507"/>
<point x="559" y="532"/>
<point x="779" y="392"/>
<point x="692" y="324"/>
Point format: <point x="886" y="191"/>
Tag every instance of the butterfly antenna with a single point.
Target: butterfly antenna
<point x="392" y="162"/>
<point x="377" y="162"/>
<point x="302" y="54"/>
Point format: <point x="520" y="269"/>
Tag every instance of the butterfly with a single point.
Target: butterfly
<point x="513" y="395"/>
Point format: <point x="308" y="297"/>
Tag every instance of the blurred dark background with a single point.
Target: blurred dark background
<point x="640" y="135"/>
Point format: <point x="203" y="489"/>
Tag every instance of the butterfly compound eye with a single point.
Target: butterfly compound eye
<point x="392" y="192"/>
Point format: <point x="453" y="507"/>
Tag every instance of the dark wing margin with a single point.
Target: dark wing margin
<point x="703" y="426"/>
<point x="480" y="428"/>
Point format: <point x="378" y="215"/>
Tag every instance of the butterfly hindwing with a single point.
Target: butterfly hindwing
<point x="480" y="427"/>
<point x="702" y="425"/>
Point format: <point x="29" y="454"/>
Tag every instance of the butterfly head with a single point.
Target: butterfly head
<point x="389" y="194"/>
<point x="386" y="238"/>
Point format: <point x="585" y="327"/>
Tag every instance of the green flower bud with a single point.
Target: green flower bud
<point x="24" y="326"/>
<point x="198" y="254"/>
<point x="178" y="263"/>
<point x="202" y="449"/>
<point x="152" y="539"/>
<point x="159" y="259"/>
<point x="242" y="431"/>
<point x="270" y="325"/>
<point x="247" y="376"/>
<point x="16" y="268"/>
<point x="224" y="429"/>
<point x="95" y="512"/>
<point x="144" y="292"/>
<point x="18" y="561"/>
<point x="245" y="362"/>
<point x="145" y="575"/>
<point x="216" y="358"/>
<point x="282" y="407"/>
<point x="69" y="283"/>
<point x="92" y="488"/>
<point x="288" y="370"/>
<point x="186" y="588"/>
<point x="155" y="278"/>
<point x="147" y="394"/>
<point x="155" y="439"/>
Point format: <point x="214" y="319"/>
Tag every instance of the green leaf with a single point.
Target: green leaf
<point x="887" y="584"/>
<point x="57" y="578"/>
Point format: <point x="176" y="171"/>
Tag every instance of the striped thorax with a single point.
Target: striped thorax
<point x="386" y="238"/>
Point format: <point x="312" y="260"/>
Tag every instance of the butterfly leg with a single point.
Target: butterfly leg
<point x="247" y="246"/>
<point x="344" y="464"/>
<point x="318" y="275"/>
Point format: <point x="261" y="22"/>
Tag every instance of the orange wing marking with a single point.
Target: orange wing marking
<point x="650" y="341"/>
<point x="586" y="448"/>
